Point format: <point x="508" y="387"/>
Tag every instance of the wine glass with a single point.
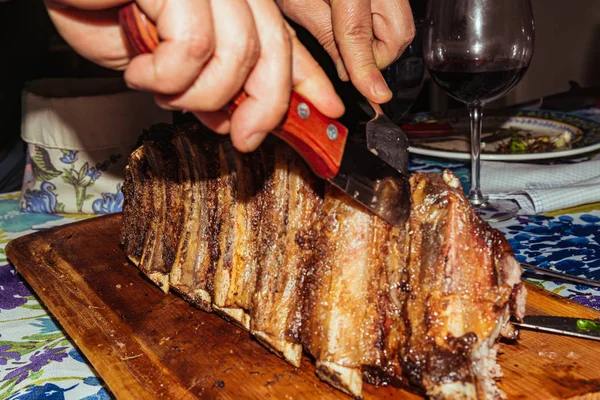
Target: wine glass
<point x="405" y="77"/>
<point x="477" y="51"/>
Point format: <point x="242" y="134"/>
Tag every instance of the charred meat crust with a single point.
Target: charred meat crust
<point x="461" y="280"/>
<point x="258" y="239"/>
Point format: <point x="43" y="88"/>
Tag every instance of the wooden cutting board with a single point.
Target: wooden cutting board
<point x="146" y="344"/>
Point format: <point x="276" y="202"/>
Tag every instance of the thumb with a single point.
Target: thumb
<point x="353" y="30"/>
<point x="315" y="16"/>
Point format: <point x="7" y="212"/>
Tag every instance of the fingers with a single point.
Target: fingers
<point x="394" y="30"/>
<point x="310" y="81"/>
<point x="96" y="35"/>
<point x="186" y="30"/>
<point x="218" y="121"/>
<point x="283" y="62"/>
<point x="270" y="82"/>
<point x="237" y="49"/>
<point x="353" y="30"/>
<point x="315" y="16"/>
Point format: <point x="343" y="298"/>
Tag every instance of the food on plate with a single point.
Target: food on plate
<point x="521" y="141"/>
<point x="260" y="240"/>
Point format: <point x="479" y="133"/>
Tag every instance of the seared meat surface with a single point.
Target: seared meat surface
<point x="461" y="278"/>
<point x="261" y="241"/>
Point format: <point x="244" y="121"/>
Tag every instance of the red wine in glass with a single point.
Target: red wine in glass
<point x="477" y="51"/>
<point x="477" y="81"/>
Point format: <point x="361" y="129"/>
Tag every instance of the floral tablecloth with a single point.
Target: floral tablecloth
<point x="38" y="361"/>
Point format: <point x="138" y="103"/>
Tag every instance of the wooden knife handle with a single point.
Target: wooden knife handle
<point x="318" y="139"/>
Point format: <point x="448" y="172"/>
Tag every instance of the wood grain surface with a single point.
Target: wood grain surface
<point x="146" y="344"/>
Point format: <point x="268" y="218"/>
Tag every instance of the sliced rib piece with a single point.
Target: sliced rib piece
<point x="135" y="215"/>
<point x="394" y="291"/>
<point x="462" y="281"/>
<point x="239" y="211"/>
<point x="192" y="274"/>
<point x="290" y="206"/>
<point x="341" y="325"/>
<point x="154" y="205"/>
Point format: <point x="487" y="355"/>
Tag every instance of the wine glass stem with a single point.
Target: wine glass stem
<point x="476" y="198"/>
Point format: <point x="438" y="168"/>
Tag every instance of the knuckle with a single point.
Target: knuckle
<point x="358" y="31"/>
<point x="199" y="45"/>
<point x="281" y="38"/>
<point x="246" y="51"/>
<point x="406" y="37"/>
<point x="409" y="34"/>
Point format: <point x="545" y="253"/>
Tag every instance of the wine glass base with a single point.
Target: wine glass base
<point x="496" y="210"/>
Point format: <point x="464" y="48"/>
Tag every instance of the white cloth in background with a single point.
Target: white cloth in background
<point x="79" y="134"/>
<point x="542" y="188"/>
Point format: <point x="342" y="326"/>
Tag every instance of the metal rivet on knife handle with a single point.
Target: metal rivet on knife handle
<point x="332" y="132"/>
<point x="319" y="140"/>
<point x="303" y="110"/>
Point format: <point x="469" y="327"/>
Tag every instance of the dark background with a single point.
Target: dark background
<point x="567" y="48"/>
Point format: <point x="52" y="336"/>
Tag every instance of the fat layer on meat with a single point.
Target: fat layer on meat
<point x="291" y="205"/>
<point x="342" y="324"/>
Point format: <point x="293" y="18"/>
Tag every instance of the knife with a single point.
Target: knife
<point x="570" y="326"/>
<point x="324" y="143"/>
<point x="560" y="276"/>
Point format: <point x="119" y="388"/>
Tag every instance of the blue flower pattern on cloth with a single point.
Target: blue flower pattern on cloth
<point x="13" y="221"/>
<point x="41" y="201"/>
<point x="93" y="173"/>
<point x="45" y="325"/>
<point x="568" y="244"/>
<point x="109" y="203"/>
<point x="41" y="363"/>
<point x="69" y="156"/>
<point x="37" y="361"/>
<point x="13" y="292"/>
<point x="48" y="391"/>
<point x="70" y="181"/>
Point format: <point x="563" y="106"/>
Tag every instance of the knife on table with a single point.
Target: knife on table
<point x="332" y="152"/>
<point x="570" y="326"/>
<point x="550" y="274"/>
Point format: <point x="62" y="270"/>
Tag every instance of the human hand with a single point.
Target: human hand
<point x="361" y="36"/>
<point x="209" y="51"/>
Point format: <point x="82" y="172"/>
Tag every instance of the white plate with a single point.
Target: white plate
<point x="586" y="134"/>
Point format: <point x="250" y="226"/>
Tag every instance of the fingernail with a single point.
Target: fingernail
<point x="132" y="86"/>
<point x="167" y="107"/>
<point x="382" y="89"/>
<point x="254" y="140"/>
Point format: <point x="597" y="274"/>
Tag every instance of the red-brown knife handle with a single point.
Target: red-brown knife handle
<point x="318" y="139"/>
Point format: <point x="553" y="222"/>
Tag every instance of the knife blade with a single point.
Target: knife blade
<point x="560" y="276"/>
<point x="324" y="143"/>
<point x="366" y="119"/>
<point x="560" y="325"/>
<point x="387" y="140"/>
